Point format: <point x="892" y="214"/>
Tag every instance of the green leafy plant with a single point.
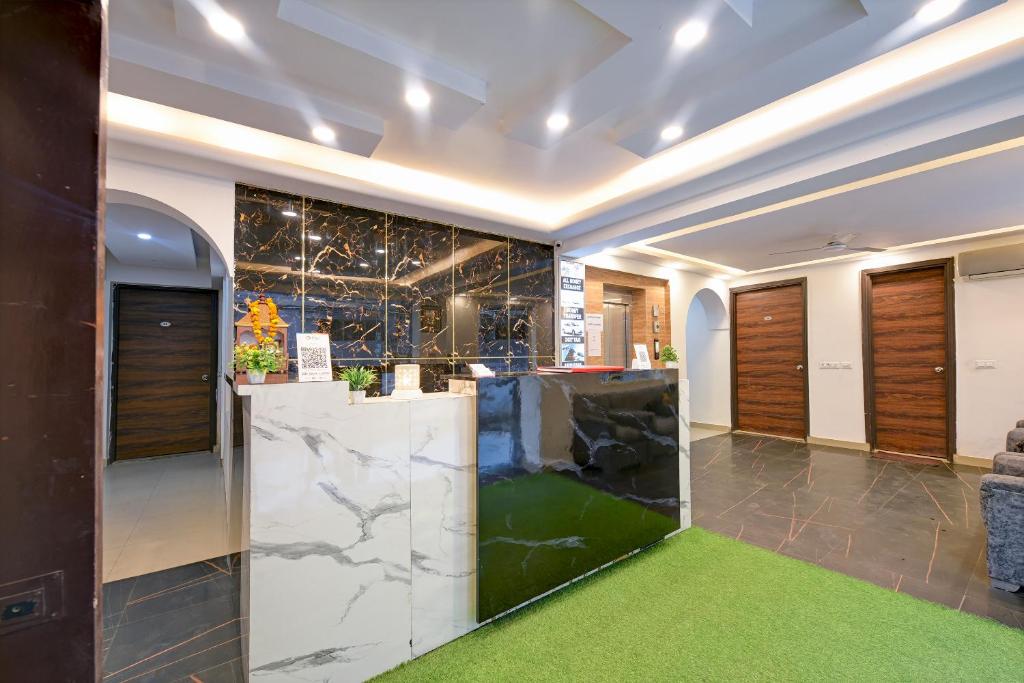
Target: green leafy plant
<point x="669" y="354"/>
<point x="264" y="357"/>
<point x="358" y="378"/>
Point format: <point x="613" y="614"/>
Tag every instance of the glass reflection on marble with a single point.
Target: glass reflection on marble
<point x="531" y="308"/>
<point x="419" y="288"/>
<point x="481" y="295"/>
<point x="574" y="471"/>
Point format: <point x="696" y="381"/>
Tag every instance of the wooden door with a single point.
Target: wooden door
<point x="908" y="364"/>
<point x="164" y="353"/>
<point x="769" y="358"/>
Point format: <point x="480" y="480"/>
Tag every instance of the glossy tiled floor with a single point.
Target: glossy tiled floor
<point x="907" y="527"/>
<point x="179" y="624"/>
<point x="162" y="512"/>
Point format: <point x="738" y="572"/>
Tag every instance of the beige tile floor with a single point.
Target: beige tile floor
<point x="698" y="433"/>
<point x="162" y="512"/>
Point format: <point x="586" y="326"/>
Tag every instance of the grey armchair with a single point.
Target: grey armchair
<point x="1002" y="507"/>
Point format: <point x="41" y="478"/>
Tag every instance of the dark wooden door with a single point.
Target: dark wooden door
<point x="165" y="358"/>
<point x="908" y="346"/>
<point x="769" y="359"/>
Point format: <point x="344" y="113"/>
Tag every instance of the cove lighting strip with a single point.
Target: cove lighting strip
<point x="728" y="143"/>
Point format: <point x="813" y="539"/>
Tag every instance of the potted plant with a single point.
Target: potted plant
<point x="358" y="378"/>
<point x="669" y="355"/>
<point x="257" y="360"/>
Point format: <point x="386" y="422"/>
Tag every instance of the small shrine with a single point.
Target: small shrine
<point x="262" y="324"/>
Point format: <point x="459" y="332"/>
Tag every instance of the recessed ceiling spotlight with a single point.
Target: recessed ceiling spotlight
<point x="937" y="9"/>
<point x="315" y="238"/>
<point x="380" y="251"/>
<point x="558" y="122"/>
<point x="290" y="213"/>
<point x="364" y="264"/>
<point x="672" y="132"/>
<point x="226" y="26"/>
<point x="691" y="34"/>
<point x="324" y="134"/>
<point x="417" y="98"/>
<point x="415" y="262"/>
<point x="144" y="236"/>
<point x="298" y="258"/>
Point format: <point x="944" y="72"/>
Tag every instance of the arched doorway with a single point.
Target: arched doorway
<point x="707" y="363"/>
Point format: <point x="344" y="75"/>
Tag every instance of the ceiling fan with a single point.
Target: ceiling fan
<point x="835" y="243"/>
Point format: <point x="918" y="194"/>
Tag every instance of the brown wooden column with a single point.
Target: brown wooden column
<point x="52" y="79"/>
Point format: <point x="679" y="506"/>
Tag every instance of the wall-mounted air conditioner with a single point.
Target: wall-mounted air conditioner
<point x="983" y="264"/>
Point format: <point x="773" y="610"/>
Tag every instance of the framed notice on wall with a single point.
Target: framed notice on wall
<point x="570" y="285"/>
<point x="314" y="352"/>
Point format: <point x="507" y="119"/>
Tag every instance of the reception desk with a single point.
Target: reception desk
<point x="372" y="536"/>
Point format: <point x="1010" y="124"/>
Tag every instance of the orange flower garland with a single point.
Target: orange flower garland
<point x="254" y="318"/>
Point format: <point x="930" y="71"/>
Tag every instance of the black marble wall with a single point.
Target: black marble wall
<point x="392" y="289"/>
<point x="574" y="471"/>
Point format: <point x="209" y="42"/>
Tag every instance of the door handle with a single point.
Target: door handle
<point x="800" y="368"/>
<point x="939" y="370"/>
<point x="206" y="377"/>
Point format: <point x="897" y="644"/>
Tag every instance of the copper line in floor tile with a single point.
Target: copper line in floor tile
<point x="172" y="647"/>
<point x="810" y="468"/>
<point x="718" y="453"/>
<point x="222" y="571"/>
<point x="900" y="490"/>
<point x="899" y="583"/>
<point x="967" y="511"/>
<point x="808" y="520"/>
<point x="849" y="543"/>
<point x="792" y="518"/>
<point x="170" y="589"/>
<point x="176" y="661"/>
<point x="740" y="533"/>
<point x="794" y="477"/>
<point x="974" y="568"/>
<point x="936" y="503"/>
<point x="957" y="475"/>
<point x="935" y="549"/>
<point x="735" y="505"/>
<point x="760" y="443"/>
<point x="877" y="477"/>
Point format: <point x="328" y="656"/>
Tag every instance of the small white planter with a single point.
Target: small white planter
<point x="256" y="376"/>
<point x="356" y="396"/>
<point x="671" y="364"/>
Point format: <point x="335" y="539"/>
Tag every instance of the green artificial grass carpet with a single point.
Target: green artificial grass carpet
<point x="703" y="607"/>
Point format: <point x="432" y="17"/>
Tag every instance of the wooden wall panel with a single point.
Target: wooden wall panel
<point x="646" y="292"/>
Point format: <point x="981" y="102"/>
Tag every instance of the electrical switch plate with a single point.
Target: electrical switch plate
<point x="835" y="365"/>
<point x="984" y="363"/>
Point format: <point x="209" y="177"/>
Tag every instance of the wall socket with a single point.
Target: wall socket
<point x="984" y="363"/>
<point x="835" y="365"/>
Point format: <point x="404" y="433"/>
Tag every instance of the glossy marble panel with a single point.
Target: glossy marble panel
<point x="574" y="471"/>
<point x="443" y="484"/>
<point x="394" y="288"/>
<point x="419" y="289"/>
<point x="345" y="293"/>
<point x="329" y="568"/>
<point x="481" y="295"/>
<point x="531" y="308"/>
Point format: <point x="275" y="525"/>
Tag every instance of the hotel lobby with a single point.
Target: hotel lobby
<point x="482" y="340"/>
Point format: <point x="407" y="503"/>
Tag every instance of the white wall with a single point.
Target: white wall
<point x="989" y="325"/>
<point x="207" y="205"/>
<point x="707" y="364"/>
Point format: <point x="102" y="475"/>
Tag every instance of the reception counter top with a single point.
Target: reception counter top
<point x="362" y="519"/>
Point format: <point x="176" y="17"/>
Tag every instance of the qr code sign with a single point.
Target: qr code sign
<point x="314" y="358"/>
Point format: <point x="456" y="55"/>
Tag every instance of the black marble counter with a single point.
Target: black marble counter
<point x="574" y="471"/>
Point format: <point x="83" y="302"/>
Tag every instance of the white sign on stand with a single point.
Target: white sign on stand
<point x="314" y="357"/>
<point x="643" y="359"/>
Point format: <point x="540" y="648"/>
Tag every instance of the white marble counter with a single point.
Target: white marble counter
<point x="360" y="526"/>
